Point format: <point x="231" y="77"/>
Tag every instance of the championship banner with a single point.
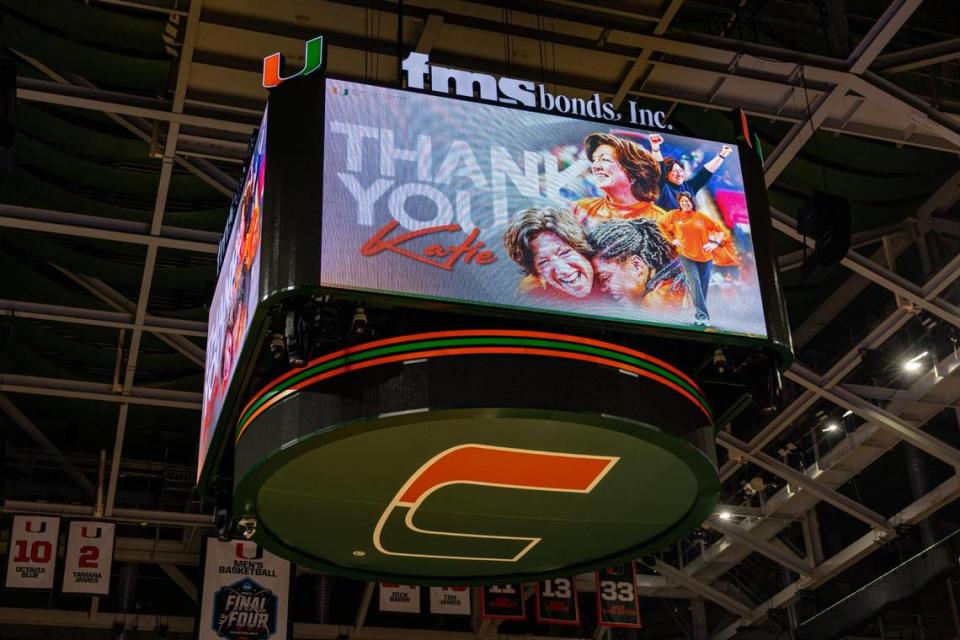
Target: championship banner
<point x="32" y="553"/>
<point x="399" y="598"/>
<point x="450" y="600"/>
<point x="246" y="593"/>
<point x="557" y="601"/>
<point x="617" y="602"/>
<point x="502" y="602"/>
<point x="89" y="558"/>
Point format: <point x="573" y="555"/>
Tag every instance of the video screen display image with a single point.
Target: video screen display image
<point x="235" y="297"/>
<point x="453" y="200"/>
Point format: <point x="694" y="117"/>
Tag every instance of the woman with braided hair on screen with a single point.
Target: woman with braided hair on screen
<point x="633" y="262"/>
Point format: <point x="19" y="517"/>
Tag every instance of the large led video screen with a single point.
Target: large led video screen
<point x="445" y="199"/>
<point x="235" y="298"/>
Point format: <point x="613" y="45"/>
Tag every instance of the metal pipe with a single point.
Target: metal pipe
<point x="162" y="518"/>
<point x="919" y="487"/>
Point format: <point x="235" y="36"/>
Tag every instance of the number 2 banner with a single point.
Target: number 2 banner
<point x="617" y="596"/>
<point x="89" y="558"/>
<point x="557" y="601"/>
<point x="32" y="556"/>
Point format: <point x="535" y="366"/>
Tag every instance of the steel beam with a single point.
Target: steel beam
<point x="759" y="545"/>
<point x="918" y="57"/>
<point x="882" y="32"/>
<point x="847" y="400"/>
<point x="73" y="619"/>
<point x="119" y="103"/>
<point x="186" y="585"/>
<point x="863" y="266"/>
<point x="42" y="441"/>
<point x="156" y="224"/>
<point x="119" y="302"/>
<point x="84" y="226"/>
<point x="701" y="588"/>
<point x="99" y="318"/>
<point x="941" y="496"/>
<point x="794" y="477"/>
<point x="59" y="387"/>
<point x="365" y="600"/>
<point x="138" y="516"/>
<point x="640" y="65"/>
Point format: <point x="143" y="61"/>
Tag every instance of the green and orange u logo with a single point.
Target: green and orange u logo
<point x="396" y="533"/>
<point x="273" y="64"/>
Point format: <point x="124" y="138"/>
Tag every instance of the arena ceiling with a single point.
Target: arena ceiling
<point x="132" y="123"/>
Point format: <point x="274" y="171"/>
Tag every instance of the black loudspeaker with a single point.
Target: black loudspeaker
<point x="8" y="100"/>
<point x="826" y="219"/>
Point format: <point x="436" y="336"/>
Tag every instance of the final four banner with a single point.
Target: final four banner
<point x="617" y="603"/>
<point x="32" y="554"/>
<point x="503" y="602"/>
<point x="399" y="598"/>
<point x="450" y="600"/>
<point x="246" y="593"/>
<point x="557" y="601"/>
<point x="89" y="559"/>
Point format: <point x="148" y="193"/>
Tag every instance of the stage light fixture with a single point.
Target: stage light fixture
<point x="831" y="427"/>
<point x="914" y="364"/>
<point x="725" y="515"/>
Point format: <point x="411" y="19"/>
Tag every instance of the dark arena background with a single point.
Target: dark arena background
<point x="479" y="319"/>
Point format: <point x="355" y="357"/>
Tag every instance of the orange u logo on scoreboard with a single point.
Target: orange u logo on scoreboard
<point x="273" y="64"/>
<point x="483" y="465"/>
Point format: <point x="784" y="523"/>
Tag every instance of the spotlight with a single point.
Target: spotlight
<point x="831" y="427"/>
<point x="847" y="414"/>
<point x="725" y="515"/>
<point x="913" y="364"/>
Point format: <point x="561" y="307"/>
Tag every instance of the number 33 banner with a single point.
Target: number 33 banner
<point x="89" y="558"/>
<point x="617" y="596"/>
<point x="32" y="556"/>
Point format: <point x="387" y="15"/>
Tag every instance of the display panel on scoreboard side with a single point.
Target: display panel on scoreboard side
<point x="459" y="201"/>
<point x="233" y="306"/>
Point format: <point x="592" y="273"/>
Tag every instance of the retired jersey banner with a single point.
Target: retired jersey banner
<point x="89" y="559"/>
<point x="617" y="603"/>
<point x="450" y="600"/>
<point x="503" y="602"/>
<point x="399" y="598"/>
<point x="246" y="592"/>
<point x="557" y="601"/>
<point x="32" y="553"/>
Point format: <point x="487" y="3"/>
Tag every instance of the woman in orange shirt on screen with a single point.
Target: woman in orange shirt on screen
<point x="701" y="243"/>
<point x="628" y="176"/>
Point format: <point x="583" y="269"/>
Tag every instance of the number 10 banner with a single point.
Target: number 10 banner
<point x="89" y="558"/>
<point x="32" y="554"/>
<point x="617" y="603"/>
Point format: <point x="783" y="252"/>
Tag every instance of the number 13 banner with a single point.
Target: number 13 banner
<point x="617" y="596"/>
<point x="89" y="558"/>
<point x="557" y="601"/>
<point x="32" y="555"/>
